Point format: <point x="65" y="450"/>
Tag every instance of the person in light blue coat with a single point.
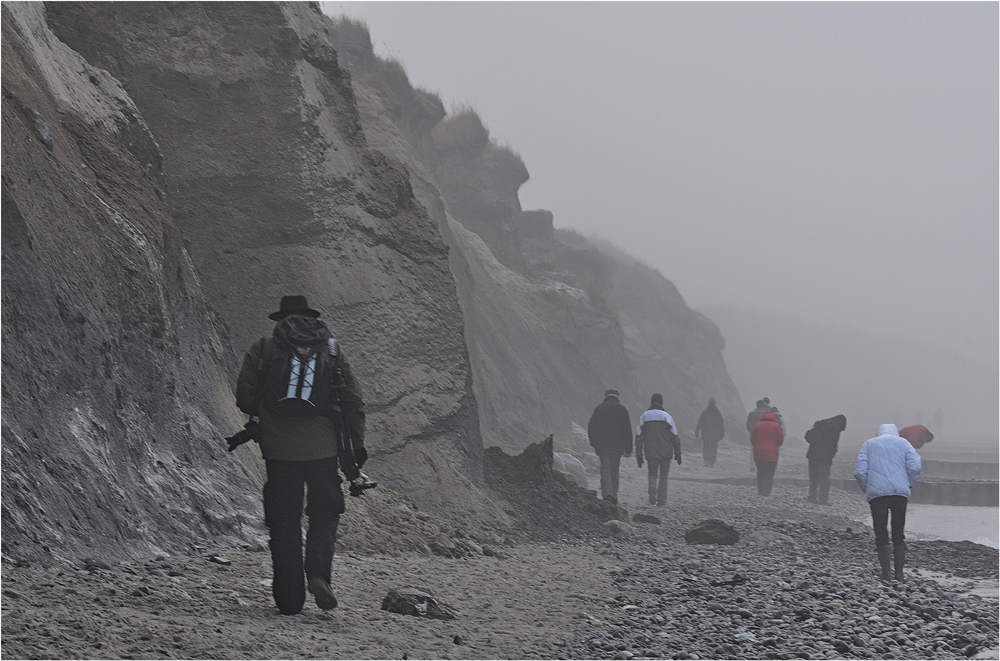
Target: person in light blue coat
<point x="887" y="467"/>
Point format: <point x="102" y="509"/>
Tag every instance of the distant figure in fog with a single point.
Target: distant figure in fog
<point x="917" y="435"/>
<point x="763" y="405"/>
<point x="610" y="434"/>
<point x="822" y="440"/>
<point x="711" y="429"/>
<point x="777" y="416"/>
<point x="766" y="437"/>
<point x="656" y="436"/>
<point x="887" y="467"/>
<point x="754" y="416"/>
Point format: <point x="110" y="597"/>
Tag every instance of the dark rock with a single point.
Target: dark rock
<point x="458" y="640"/>
<point x="646" y="518"/>
<point x="413" y="601"/>
<point x="91" y="564"/>
<point x="712" y="531"/>
<point x="930" y="614"/>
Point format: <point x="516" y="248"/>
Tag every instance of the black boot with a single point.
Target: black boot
<point x="883" y="560"/>
<point x="899" y="559"/>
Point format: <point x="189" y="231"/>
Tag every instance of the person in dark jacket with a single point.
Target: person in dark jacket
<point x="754" y="416"/>
<point x="300" y="452"/>
<point x="610" y="434"/>
<point x="711" y="429"/>
<point x="766" y="438"/>
<point x="822" y="440"/>
<point x="656" y="438"/>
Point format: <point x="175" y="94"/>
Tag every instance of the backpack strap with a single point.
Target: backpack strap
<point x="334" y="349"/>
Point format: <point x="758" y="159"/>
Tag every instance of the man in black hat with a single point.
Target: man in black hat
<point x="610" y="433"/>
<point x="300" y="446"/>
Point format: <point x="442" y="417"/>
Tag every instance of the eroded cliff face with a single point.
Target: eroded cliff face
<point x="113" y="381"/>
<point x="165" y="182"/>
<point x="276" y="191"/>
<point x="552" y="319"/>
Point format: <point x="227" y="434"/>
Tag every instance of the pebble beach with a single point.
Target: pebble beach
<point x="801" y="583"/>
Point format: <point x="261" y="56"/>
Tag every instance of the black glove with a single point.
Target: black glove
<point x="638" y="458"/>
<point x="250" y="432"/>
<point x="360" y="456"/>
<point x="677" y="456"/>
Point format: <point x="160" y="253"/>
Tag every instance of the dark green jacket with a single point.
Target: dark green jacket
<point x="297" y="439"/>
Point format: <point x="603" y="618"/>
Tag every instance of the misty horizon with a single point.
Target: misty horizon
<point x="837" y="163"/>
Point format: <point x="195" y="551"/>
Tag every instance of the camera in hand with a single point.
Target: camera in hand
<point x="250" y="432"/>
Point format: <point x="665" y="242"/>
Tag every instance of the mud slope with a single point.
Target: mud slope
<point x="552" y="318"/>
<point x="114" y="390"/>
<point x="271" y="181"/>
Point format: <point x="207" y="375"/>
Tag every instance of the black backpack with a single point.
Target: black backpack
<point x="300" y="372"/>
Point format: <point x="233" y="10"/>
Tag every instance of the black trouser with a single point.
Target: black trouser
<point x="765" y="476"/>
<point x="819" y="479"/>
<point x="881" y="507"/>
<point x="709" y="450"/>
<point x="283" y="496"/>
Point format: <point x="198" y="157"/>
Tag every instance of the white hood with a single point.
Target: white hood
<point x="887" y="428"/>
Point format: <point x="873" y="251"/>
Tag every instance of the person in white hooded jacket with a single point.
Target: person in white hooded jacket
<point x="887" y="467"/>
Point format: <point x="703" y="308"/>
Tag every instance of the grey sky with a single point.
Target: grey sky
<point x="837" y="161"/>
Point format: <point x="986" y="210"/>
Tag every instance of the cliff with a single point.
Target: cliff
<point x="114" y="385"/>
<point x="551" y="318"/>
<point x="171" y="170"/>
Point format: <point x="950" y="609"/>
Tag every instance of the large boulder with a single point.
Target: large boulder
<point x="712" y="531"/>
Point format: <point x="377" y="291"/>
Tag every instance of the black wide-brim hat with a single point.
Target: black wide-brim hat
<point x="293" y="305"/>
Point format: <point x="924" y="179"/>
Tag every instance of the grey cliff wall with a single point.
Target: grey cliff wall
<point x="276" y="191"/>
<point x="113" y="382"/>
<point x="552" y="318"/>
<point x="171" y="170"/>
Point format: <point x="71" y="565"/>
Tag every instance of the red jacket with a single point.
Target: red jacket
<point x="766" y="438"/>
<point x="916" y="434"/>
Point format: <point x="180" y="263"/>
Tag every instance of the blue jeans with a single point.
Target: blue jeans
<point x="658" y="471"/>
<point x="609" y="474"/>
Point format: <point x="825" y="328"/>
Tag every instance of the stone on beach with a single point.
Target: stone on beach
<point x="712" y="531"/>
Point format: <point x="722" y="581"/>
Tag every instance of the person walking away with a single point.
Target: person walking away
<point x="610" y="434"/>
<point x="288" y="381"/>
<point x="710" y="429"/>
<point x="656" y="438"/>
<point x="754" y="416"/>
<point x="887" y="467"/>
<point x="777" y="416"/>
<point x="763" y="405"/>
<point x="822" y="440"/>
<point x="917" y="435"/>
<point x="766" y="438"/>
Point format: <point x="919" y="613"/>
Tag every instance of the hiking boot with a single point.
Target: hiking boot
<point x="320" y="589"/>
<point x="652" y="495"/>
<point x="883" y="561"/>
<point x="899" y="559"/>
<point x="611" y="499"/>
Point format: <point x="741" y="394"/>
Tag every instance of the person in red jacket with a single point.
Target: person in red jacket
<point x="917" y="435"/>
<point x="766" y="437"/>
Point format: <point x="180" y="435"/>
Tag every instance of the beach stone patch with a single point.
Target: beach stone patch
<point x="712" y="531"/>
<point x="767" y="537"/>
